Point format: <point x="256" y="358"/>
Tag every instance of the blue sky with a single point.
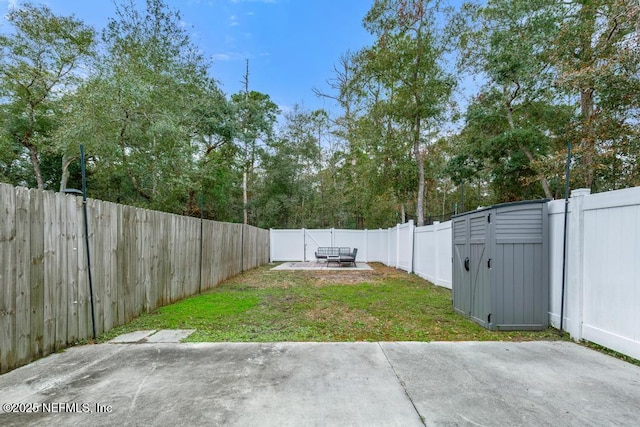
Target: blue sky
<point x="292" y="45"/>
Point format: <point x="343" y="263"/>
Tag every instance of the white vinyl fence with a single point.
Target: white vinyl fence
<point x="433" y="252"/>
<point x="425" y="251"/>
<point x="602" y="287"/>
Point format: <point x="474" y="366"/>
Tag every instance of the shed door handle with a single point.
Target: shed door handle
<point x="466" y="263"/>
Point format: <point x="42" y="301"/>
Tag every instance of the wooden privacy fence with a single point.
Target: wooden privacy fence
<point x="140" y="260"/>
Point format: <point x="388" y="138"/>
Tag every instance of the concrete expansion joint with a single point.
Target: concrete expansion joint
<point x="403" y="385"/>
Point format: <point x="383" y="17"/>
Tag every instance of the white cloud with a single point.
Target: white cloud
<point x="10" y="3"/>
<point x="235" y="56"/>
<point x="221" y="57"/>
<point x="230" y="56"/>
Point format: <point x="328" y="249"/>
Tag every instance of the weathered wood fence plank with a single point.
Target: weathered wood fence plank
<point x="140" y="260"/>
<point x="121" y="255"/>
<point x="7" y="278"/>
<point x="36" y="272"/>
<point x="59" y="245"/>
<point x="23" y="276"/>
<point x="50" y="272"/>
<point x="73" y="246"/>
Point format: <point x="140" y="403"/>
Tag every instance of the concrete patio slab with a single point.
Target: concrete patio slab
<point x="516" y="384"/>
<point x="324" y="266"/>
<point x="318" y="384"/>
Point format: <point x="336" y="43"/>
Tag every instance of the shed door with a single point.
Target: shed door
<point x="478" y="260"/>
<point x="461" y="276"/>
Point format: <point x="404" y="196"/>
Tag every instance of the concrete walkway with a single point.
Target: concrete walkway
<point x="323" y="384"/>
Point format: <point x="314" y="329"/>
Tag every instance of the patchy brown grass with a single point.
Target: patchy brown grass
<point x="340" y="315"/>
<point x="380" y="305"/>
<point x="327" y="278"/>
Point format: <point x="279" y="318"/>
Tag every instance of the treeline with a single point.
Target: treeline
<point x="160" y="133"/>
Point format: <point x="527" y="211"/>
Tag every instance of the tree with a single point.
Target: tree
<point x="350" y="94"/>
<point x="255" y="118"/>
<point x="40" y="61"/>
<point x="490" y="149"/>
<point x="505" y="42"/>
<point x="406" y="62"/>
<point x="149" y="112"/>
<point x="556" y="72"/>
<point x="596" y="60"/>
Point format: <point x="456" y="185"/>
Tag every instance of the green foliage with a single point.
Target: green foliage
<point x="160" y="133"/>
<point x="407" y="88"/>
<point x="40" y="60"/>
<point x="149" y="116"/>
<point x="255" y="117"/>
<point x="288" y="195"/>
<point x="555" y="73"/>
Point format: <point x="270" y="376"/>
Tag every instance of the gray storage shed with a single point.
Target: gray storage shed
<point x="501" y="266"/>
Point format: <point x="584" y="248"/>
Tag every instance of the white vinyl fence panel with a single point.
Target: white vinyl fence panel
<point x="393" y="247"/>
<point x="611" y="270"/>
<point x="432" y="253"/>
<point x="378" y="246"/>
<point x="287" y="245"/>
<point x="602" y="286"/>
<point x="352" y="239"/>
<point x="444" y="255"/>
<point x="555" y="210"/>
<point x="405" y="246"/>
<point x="313" y="239"/>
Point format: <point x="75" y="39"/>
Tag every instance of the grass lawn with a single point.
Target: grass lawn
<point x="381" y="305"/>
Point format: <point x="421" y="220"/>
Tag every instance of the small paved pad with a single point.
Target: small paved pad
<point x="170" y="335"/>
<point x="153" y="336"/>
<point x="322" y="265"/>
<point x="132" y="337"/>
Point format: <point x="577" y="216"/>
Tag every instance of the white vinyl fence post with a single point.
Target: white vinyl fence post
<point x="397" y="231"/>
<point x="366" y="246"/>
<point x="436" y="254"/>
<point x="271" y="245"/>
<point x="575" y="264"/>
<point x="304" y="245"/>
<point x="412" y="235"/>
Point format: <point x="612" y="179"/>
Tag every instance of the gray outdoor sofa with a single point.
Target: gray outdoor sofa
<point x="341" y="255"/>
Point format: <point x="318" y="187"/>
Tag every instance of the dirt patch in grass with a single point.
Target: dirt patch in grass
<point x="325" y="278"/>
<point x="286" y="279"/>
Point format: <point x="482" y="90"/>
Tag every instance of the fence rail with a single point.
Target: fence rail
<point x="140" y="260"/>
